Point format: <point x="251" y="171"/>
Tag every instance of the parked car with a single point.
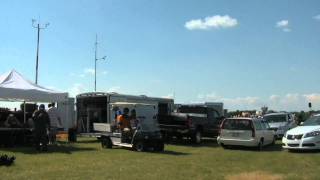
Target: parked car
<point x="280" y="123"/>
<point x="304" y="137"/>
<point x="249" y="132"/>
<point x="192" y="121"/>
<point x="145" y="136"/>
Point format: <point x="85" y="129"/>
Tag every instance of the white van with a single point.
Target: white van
<point x="280" y="123"/>
<point x="245" y="132"/>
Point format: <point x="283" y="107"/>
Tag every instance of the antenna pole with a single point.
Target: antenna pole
<point x="95" y="63"/>
<point x="38" y="27"/>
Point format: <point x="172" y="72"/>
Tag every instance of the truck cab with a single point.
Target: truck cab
<point x="192" y="121"/>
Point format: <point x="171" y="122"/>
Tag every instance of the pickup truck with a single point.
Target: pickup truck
<point x="192" y="122"/>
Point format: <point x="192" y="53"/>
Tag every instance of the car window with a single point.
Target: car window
<point x="237" y="124"/>
<point x="267" y="124"/>
<point x="264" y="125"/>
<point x="258" y="125"/>
<point x="276" y="118"/>
<point x="312" y="121"/>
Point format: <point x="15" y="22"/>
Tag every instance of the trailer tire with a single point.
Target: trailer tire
<point x="106" y="142"/>
<point x="139" y="146"/>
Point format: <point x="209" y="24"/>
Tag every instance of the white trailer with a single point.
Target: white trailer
<point x="95" y="107"/>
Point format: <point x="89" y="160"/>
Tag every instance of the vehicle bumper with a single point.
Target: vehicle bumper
<point x="302" y="144"/>
<point x="237" y="142"/>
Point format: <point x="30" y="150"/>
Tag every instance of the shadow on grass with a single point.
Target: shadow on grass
<point x="61" y="148"/>
<point x="187" y="142"/>
<point x="308" y="151"/>
<point x="88" y="141"/>
<point x="174" y="153"/>
<point x="268" y="148"/>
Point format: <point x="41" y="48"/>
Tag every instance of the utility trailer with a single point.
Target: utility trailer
<point x="95" y="107"/>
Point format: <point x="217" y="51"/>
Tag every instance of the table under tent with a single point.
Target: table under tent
<point x="15" y="88"/>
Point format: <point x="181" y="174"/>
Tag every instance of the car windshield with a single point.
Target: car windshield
<point x="276" y="118"/>
<point x="313" y="121"/>
<point x="237" y="124"/>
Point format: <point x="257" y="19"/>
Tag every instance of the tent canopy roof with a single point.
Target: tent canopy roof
<point x="13" y="86"/>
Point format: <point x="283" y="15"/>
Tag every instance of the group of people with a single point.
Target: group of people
<point x="127" y="124"/>
<point x="46" y="125"/>
<point x="126" y="121"/>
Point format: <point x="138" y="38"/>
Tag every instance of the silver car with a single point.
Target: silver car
<point x="280" y="123"/>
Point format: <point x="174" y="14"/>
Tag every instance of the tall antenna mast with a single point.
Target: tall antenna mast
<point x="36" y="24"/>
<point x="95" y="63"/>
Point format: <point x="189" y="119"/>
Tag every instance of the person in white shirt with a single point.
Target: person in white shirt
<point x="55" y="122"/>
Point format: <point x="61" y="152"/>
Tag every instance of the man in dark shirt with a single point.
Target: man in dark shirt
<point x="41" y="125"/>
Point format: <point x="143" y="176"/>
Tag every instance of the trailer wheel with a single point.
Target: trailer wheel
<point x="139" y="146"/>
<point x="106" y="142"/>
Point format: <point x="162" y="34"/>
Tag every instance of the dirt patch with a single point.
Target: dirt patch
<point x="258" y="175"/>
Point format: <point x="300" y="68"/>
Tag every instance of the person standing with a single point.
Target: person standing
<point x="41" y="125"/>
<point x="55" y="122"/>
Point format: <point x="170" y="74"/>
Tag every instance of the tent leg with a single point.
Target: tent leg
<point x="24" y="112"/>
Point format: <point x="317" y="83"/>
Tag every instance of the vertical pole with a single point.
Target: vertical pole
<point x="95" y="64"/>
<point x="24" y="112"/>
<point x="37" y="61"/>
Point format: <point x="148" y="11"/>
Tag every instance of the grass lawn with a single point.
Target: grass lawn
<point x="87" y="160"/>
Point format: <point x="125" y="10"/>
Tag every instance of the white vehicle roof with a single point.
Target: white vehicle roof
<point x="273" y="114"/>
<point x="131" y="104"/>
<point x="245" y="118"/>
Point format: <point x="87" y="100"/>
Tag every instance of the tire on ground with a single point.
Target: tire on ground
<point x="139" y="146"/>
<point x="106" y="142"/>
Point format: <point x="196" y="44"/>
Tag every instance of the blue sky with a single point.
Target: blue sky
<point x="245" y="53"/>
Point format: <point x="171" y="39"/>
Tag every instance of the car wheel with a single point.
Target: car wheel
<point x="197" y="137"/>
<point x="139" y="146"/>
<point x="106" y="142"/>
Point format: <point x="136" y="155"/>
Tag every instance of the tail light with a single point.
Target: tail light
<point x="221" y="126"/>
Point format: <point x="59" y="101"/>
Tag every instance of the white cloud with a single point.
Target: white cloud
<point x="314" y="98"/>
<point x="169" y="96"/>
<point x="274" y="98"/>
<point x="317" y="17"/>
<point x="211" y="22"/>
<point x="248" y="102"/>
<point x="104" y="72"/>
<point x="115" y="89"/>
<point x="283" y="25"/>
<point x="76" y="89"/>
<point x="286" y="102"/>
<point x="89" y="71"/>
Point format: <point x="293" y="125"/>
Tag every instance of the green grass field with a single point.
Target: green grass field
<point x="87" y="160"/>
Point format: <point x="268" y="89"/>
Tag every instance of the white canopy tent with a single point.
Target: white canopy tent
<point x="14" y="87"/>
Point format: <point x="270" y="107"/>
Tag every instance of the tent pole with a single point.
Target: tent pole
<point x="24" y="112"/>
